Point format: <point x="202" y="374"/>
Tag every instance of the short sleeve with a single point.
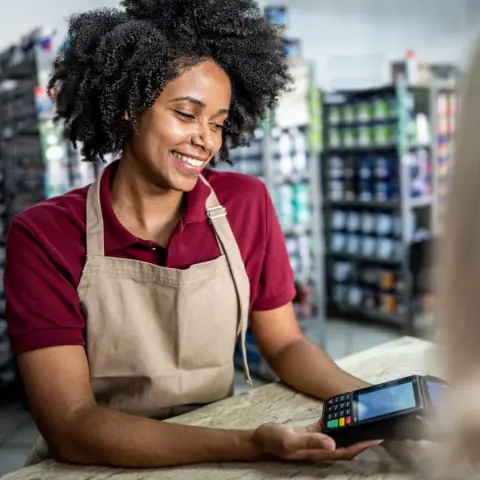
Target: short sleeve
<point x="42" y="305"/>
<point x="276" y="285"/>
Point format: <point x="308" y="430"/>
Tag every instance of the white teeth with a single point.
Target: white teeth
<point x="189" y="160"/>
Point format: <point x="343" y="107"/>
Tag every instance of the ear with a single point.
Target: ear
<point x="126" y="116"/>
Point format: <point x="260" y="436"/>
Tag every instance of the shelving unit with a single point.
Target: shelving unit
<point x="379" y="176"/>
<point x="22" y="168"/>
<point x="35" y="160"/>
<point x="446" y="104"/>
<point x="286" y="159"/>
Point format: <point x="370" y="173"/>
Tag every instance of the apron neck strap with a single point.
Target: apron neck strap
<point x="95" y="233"/>
<point x="217" y="216"/>
<point x="215" y="209"/>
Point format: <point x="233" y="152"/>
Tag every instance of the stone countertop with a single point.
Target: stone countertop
<point x="274" y="403"/>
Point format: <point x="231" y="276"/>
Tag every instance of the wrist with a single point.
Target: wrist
<point x="355" y="383"/>
<point x="247" y="448"/>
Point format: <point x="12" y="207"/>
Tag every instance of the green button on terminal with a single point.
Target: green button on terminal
<point x="332" y="424"/>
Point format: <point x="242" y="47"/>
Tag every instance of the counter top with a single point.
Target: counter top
<point x="274" y="403"/>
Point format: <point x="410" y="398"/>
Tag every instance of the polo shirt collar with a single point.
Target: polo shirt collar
<point x="118" y="237"/>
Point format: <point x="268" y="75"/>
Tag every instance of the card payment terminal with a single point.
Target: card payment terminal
<point x="388" y="411"/>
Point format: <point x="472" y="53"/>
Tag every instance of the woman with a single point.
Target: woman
<point x="125" y="298"/>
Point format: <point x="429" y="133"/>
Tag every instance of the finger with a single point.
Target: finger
<point x="368" y="444"/>
<point x="312" y="441"/>
<point x="308" y="441"/>
<point x="354" y="450"/>
<point x="322" y="455"/>
<point x="315" y="455"/>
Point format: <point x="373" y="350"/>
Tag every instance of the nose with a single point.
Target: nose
<point x="204" y="138"/>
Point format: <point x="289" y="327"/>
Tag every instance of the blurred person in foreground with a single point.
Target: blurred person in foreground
<point x="454" y="452"/>
<point x="458" y="312"/>
<point x="125" y="298"/>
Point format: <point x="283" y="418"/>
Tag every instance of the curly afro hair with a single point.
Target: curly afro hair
<point x="119" y="60"/>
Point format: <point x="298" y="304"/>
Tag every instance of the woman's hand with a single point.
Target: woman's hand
<point x="303" y="443"/>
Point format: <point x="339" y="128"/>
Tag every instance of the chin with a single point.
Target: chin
<point x="183" y="183"/>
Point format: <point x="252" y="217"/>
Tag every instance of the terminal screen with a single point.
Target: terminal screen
<point x="385" y="401"/>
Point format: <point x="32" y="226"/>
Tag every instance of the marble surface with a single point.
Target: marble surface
<point x="275" y="403"/>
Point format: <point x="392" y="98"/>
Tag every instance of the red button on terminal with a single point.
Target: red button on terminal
<point x="348" y="420"/>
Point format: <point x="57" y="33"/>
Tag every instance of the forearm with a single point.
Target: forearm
<point x="308" y="369"/>
<point x="105" y="437"/>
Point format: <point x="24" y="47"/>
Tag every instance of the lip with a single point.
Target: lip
<point x="195" y="157"/>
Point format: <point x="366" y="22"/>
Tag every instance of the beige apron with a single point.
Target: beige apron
<point x="161" y="341"/>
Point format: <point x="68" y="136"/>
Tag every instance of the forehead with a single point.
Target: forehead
<point x="206" y="82"/>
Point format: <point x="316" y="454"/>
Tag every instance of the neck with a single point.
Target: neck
<point x="145" y="209"/>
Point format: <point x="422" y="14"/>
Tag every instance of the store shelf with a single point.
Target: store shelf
<point x="418" y="146"/>
<point x="421" y="202"/>
<point x="365" y="258"/>
<point x="367" y="92"/>
<point x="292" y="179"/>
<point x="31" y="146"/>
<point x="388" y="205"/>
<point x="297" y="230"/>
<point x="286" y="158"/>
<point x="366" y="313"/>
<point x="23" y="69"/>
<point x="362" y="149"/>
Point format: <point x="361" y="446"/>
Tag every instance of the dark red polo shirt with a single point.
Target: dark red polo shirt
<point x="46" y="250"/>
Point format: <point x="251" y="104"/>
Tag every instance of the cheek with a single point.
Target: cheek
<point x="218" y="141"/>
<point x="158" y="134"/>
<point x="166" y="131"/>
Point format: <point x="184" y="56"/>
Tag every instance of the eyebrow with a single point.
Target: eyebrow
<point x="195" y="101"/>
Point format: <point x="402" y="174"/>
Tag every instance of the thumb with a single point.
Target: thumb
<point x="314" y="427"/>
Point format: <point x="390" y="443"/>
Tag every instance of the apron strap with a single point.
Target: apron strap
<point x="95" y="234"/>
<point x="217" y="216"/>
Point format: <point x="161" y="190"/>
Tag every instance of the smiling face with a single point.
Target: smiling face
<point x="182" y="132"/>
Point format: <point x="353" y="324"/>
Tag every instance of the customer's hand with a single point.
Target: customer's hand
<point x="303" y="443"/>
<point x="418" y="456"/>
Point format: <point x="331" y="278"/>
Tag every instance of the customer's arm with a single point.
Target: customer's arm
<point x="297" y="361"/>
<point x="79" y="431"/>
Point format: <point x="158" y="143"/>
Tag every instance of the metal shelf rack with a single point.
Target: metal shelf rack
<point x="285" y="177"/>
<point x="379" y="176"/>
<point x="31" y="148"/>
